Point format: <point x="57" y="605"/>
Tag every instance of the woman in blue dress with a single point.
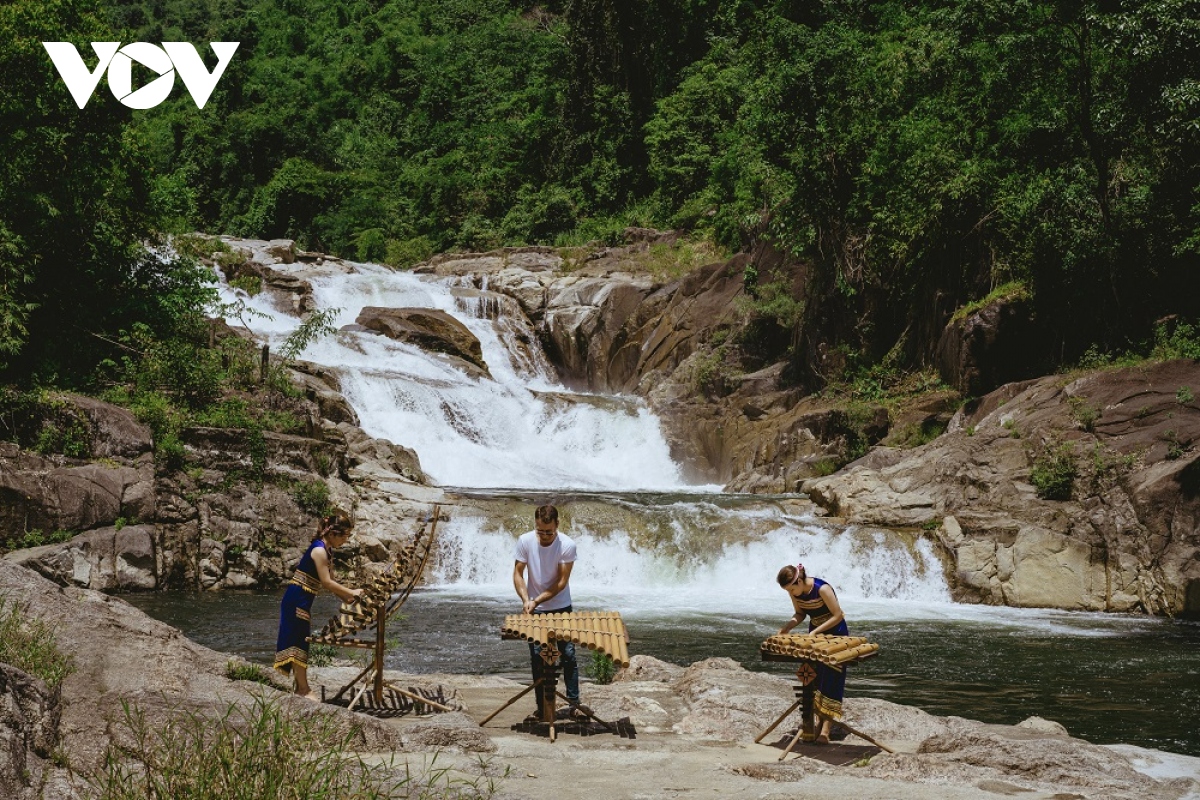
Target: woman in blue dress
<point x="312" y="574"/>
<point x="814" y="598"/>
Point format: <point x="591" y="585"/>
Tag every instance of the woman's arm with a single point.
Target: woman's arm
<point x="835" y="611"/>
<point x="321" y="560"/>
<point x="796" y="619"/>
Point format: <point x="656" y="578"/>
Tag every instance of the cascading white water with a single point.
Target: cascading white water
<point x="476" y="558"/>
<point x="522" y="430"/>
<point x="519" y="430"/>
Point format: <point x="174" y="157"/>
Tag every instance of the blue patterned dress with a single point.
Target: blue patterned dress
<point x="295" y="617"/>
<point x="831" y="681"/>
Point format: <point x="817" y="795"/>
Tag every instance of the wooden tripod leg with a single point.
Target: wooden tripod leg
<point x="515" y="698"/>
<point x="775" y="724"/>
<point x="342" y="691"/>
<point x="862" y="735"/>
<point x="419" y="699"/>
<point x="792" y="743"/>
<point x="366" y="685"/>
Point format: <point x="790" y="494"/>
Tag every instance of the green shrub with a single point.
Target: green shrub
<point x="409" y="252"/>
<point x="198" y="246"/>
<point x="600" y="668"/>
<point x="711" y="376"/>
<point x="40" y="421"/>
<point x="19" y="540"/>
<point x="321" y="655"/>
<point x="1083" y="413"/>
<point x="1181" y="340"/>
<point x="250" y="284"/>
<point x="312" y="496"/>
<point x="1053" y="473"/>
<point x="773" y="301"/>
<point x="29" y="644"/>
<point x="1184" y="395"/>
<point x="257" y="751"/>
<point x="826" y="466"/>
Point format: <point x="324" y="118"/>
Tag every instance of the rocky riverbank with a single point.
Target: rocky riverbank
<point x="694" y="727"/>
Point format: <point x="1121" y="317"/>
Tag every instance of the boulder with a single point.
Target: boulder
<point x="1127" y="538"/>
<point x="123" y="656"/>
<point x="992" y="346"/>
<point x="106" y="559"/>
<point x="428" y="329"/>
<point x="454" y="732"/>
<point x="727" y="702"/>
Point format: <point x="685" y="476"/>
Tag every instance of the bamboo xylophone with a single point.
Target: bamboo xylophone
<point x="830" y="650"/>
<point x="603" y="631"/>
<point x="399" y="579"/>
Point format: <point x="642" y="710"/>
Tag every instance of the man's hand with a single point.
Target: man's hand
<point x="529" y="606"/>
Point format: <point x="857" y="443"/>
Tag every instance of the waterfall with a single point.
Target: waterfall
<point x="519" y="430"/>
<point x="639" y="528"/>
<point x="664" y="556"/>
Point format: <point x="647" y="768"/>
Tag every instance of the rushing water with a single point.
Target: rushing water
<point x="690" y="568"/>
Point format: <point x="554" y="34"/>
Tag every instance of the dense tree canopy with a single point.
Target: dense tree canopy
<point x="915" y="154"/>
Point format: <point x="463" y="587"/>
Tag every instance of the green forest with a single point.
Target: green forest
<point x="913" y="156"/>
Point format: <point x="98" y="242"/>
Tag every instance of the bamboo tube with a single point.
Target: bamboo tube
<point x="602" y="638"/>
<point x="591" y="637"/>
<point x="623" y="645"/>
<point x="606" y="626"/>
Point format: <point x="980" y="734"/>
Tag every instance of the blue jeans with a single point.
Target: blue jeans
<point x="566" y="658"/>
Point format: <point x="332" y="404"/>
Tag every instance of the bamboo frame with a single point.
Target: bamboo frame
<point x="604" y="632"/>
<point x="833" y="651"/>
<point x="378" y="605"/>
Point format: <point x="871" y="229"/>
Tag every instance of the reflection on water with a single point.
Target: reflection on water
<point x="1107" y="678"/>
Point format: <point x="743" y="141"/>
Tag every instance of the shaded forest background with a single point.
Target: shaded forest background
<point x="911" y="157"/>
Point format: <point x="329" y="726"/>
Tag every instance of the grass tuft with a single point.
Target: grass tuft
<point x="259" y="751"/>
<point x="29" y="644"/>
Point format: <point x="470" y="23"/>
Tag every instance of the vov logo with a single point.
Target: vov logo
<point x="172" y="57"/>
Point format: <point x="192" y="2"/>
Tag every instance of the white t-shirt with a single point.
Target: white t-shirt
<point x="541" y="569"/>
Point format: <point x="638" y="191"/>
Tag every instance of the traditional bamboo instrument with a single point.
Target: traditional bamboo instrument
<point x="809" y="649"/>
<point x="379" y="602"/>
<point x="833" y="651"/>
<point x="387" y="591"/>
<point x="602" y="631"/>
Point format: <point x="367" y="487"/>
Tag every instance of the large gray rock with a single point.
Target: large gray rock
<point x="50" y="493"/>
<point x="1128" y="538"/>
<point x="995" y="345"/>
<point x="105" y="559"/>
<point x="454" y="732"/>
<point x="727" y="702"/>
<point x="428" y="329"/>
<point x="123" y="656"/>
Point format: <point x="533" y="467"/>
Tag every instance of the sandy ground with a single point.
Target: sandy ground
<point x="657" y="765"/>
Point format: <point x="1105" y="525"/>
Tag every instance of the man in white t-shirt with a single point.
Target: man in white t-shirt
<point x="549" y="557"/>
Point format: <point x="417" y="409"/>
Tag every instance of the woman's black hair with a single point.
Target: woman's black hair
<point x="337" y="520"/>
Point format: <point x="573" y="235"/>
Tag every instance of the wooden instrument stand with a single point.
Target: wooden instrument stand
<point x="601" y="631"/>
<point x="805" y="690"/>
<point x="378" y="603"/>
